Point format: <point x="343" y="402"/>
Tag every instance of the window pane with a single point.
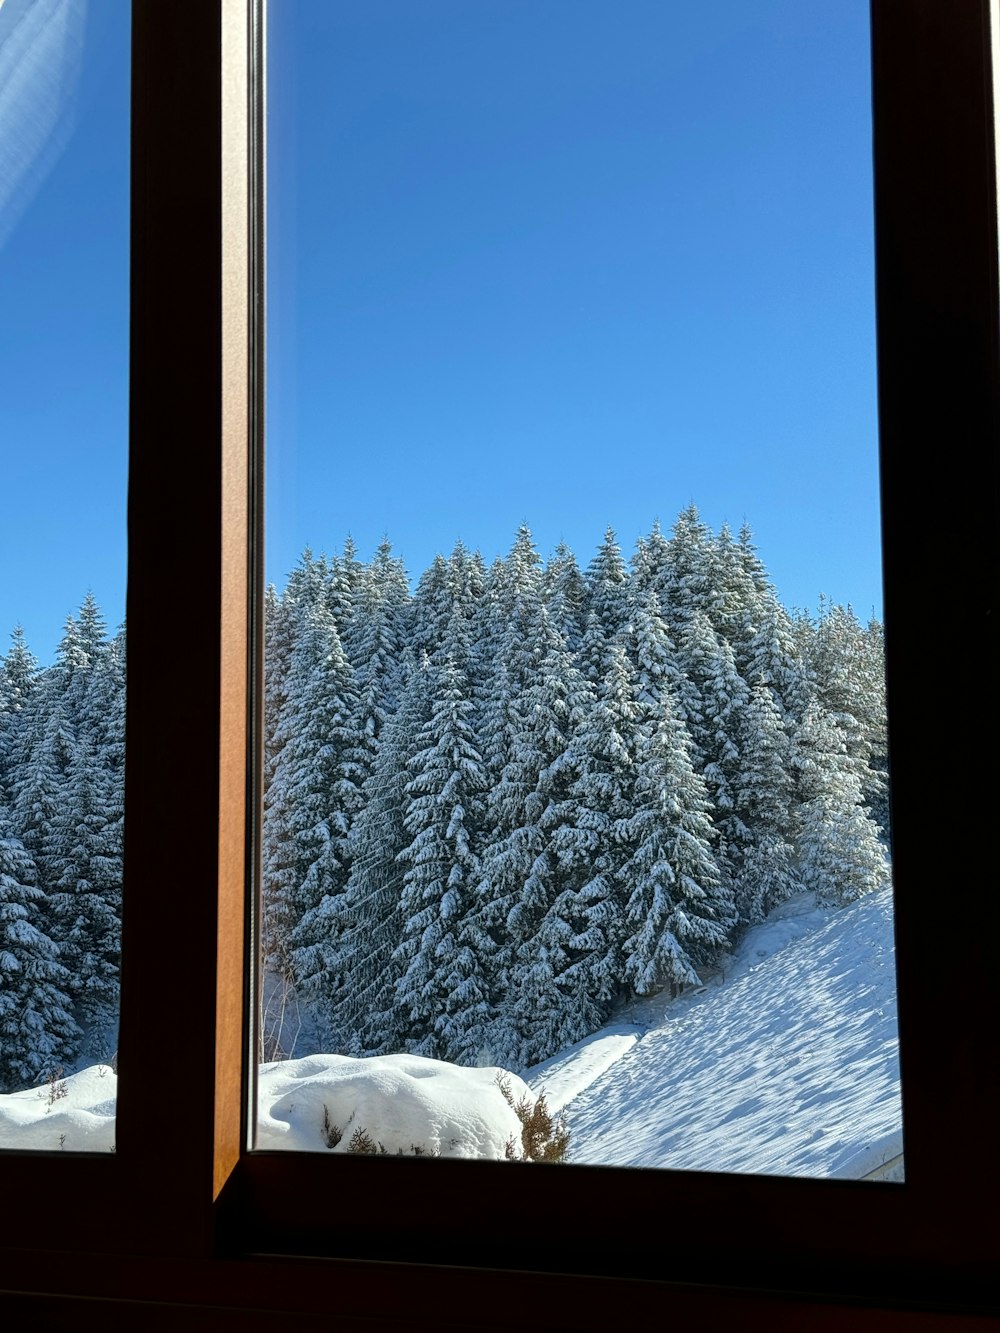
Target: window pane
<point x="64" y="216"/>
<point x="576" y="775"/>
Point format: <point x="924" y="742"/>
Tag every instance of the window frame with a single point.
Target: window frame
<point x="183" y="1191"/>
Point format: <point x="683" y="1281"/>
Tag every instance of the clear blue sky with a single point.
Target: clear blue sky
<point x="573" y="262"/>
<point x="576" y="262"/>
<point x="64" y="330"/>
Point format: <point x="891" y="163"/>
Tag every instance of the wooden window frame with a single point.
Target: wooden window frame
<point x="182" y="1211"/>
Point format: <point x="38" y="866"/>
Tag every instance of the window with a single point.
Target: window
<point x="64" y="262"/>
<point x="189" y="516"/>
<point x="507" y="304"/>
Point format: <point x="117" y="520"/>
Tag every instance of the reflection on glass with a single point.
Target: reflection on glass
<point x="575" y="848"/>
<point x="64" y="153"/>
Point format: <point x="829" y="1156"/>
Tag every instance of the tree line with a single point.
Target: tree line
<point x="500" y="806"/>
<point x="495" y="806"/>
<point x="62" y="752"/>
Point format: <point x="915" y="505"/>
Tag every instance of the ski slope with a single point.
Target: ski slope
<point x="785" y="1063"/>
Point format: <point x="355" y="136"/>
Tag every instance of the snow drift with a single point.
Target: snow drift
<point x="402" y="1103"/>
<point x="399" y="1103"/>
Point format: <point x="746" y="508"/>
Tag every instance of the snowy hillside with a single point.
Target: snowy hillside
<point x="785" y="1063"/>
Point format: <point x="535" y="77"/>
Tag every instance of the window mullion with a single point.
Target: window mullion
<point x="182" y="975"/>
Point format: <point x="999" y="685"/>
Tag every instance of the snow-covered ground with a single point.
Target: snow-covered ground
<point x="400" y="1102"/>
<point x="76" y="1113"/>
<point x="784" y="1062"/>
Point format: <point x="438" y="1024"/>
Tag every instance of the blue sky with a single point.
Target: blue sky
<point x="573" y="262"/>
<point x="569" y="262"/>
<point x="64" y="334"/>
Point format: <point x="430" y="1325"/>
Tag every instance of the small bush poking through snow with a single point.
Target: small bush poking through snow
<point x="542" y="1138"/>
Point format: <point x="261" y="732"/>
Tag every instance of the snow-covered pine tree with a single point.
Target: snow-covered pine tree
<point x="684" y="586"/>
<point x="607" y="580"/>
<point x="775" y="659"/>
<point x="431" y="609"/>
<point x="850" y="684"/>
<point x="344" y="578"/>
<point x="725" y="697"/>
<point x="603" y="792"/>
<point x="679" y="908"/>
<point x="508" y="657"/>
<point x="438" y="972"/>
<point x="85" y="903"/>
<point x="839" y="853"/>
<point x="313" y="799"/>
<point x="460" y="632"/>
<point x="877" y="784"/>
<point x="763" y="793"/>
<point x="521" y="878"/>
<point x="309" y="582"/>
<point x="37" y="1031"/>
<point x="46" y="742"/>
<point x="375" y="644"/>
<point x="19" y="680"/>
<point x="653" y="658"/>
<point x="566" y="595"/>
<point x="277" y="862"/>
<point x="650" y="561"/>
<point x="734" y="600"/>
<point x="84" y="836"/>
<point x="366" y="1014"/>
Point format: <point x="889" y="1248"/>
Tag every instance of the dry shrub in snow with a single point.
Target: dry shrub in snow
<point x="542" y="1138"/>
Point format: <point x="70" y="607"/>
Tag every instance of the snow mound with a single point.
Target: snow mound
<point x="319" y="1103"/>
<point x="75" y="1114"/>
<point x="401" y="1102"/>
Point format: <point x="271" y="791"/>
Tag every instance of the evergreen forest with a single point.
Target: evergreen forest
<point x="497" y="805"/>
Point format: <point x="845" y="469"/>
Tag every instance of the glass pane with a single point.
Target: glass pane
<point x="576" y="776"/>
<point x="64" y="217"/>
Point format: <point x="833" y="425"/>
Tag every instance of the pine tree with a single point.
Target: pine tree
<point x="876" y="786"/>
<point x="19" y="681"/>
<point x="346" y="574"/>
<point x="839" y="852"/>
<point x="522" y="878"/>
<point x="39" y="790"/>
<point x="509" y="657"/>
<point x="440" y="974"/>
<point x="70" y="808"/>
<point x="775" y="659"/>
<point x="313" y="798"/>
<point x="37" y="1031"/>
<point x="607" y="579"/>
<point x="431" y="609"/>
<point x="650" y="561"/>
<point x="375" y="644"/>
<point x="366" y="1013"/>
<point x="679" y="908"/>
<point x="763" y="793"/>
<point x="684" y="586"/>
<point x="603" y="793"/>
<point x="848" y="668"/>
<point x="566" y="595"/>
